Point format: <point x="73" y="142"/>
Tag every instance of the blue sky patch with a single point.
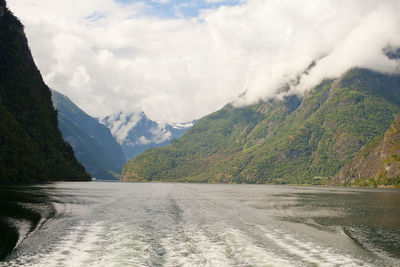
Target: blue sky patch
<point x="180" y="8"/>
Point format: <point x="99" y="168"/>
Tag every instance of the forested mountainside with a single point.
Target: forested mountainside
<point x="31" y="145"/>
<point x="295" y="140"/>
<point x="378" y="163"/>
<point x="94" y="146"/>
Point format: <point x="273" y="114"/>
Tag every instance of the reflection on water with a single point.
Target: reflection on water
<point x="129" y="224"/>
<point x="22" y="210"/>
<point x="371" y="219"/>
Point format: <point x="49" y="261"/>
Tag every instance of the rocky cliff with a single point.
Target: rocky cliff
<point x="378" y="164"/>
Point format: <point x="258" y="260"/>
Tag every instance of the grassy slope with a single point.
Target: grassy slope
<point x="287" y="141"/>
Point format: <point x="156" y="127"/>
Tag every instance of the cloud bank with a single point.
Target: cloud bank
<point x="111" y="56"/>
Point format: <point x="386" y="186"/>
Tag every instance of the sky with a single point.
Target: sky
<point x="179" y="60"/>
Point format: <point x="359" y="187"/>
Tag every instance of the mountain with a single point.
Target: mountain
<point x="378" y="164"/>
<point x="295" y="140"/>
<point x="136" y="133"/>
<point x="31" y="145"/>
<point x="94" y="146"/>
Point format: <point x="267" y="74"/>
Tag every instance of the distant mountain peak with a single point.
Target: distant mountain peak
<point x="121" y="123"/>
<point x="137" y="133"/>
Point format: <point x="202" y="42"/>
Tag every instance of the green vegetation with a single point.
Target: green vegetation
<point x="296" y="141"/>
<point x="31" y="146"/>
<point x="377" y="164"/>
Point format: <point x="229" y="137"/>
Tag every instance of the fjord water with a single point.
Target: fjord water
<point x="149" y="224"/>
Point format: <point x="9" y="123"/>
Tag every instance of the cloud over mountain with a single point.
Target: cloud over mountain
<point x="110" y="56"/>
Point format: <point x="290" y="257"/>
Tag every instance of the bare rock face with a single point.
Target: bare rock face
<point x="378" y="164"/>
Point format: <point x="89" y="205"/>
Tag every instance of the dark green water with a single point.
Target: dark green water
<point x="133" y="224"/>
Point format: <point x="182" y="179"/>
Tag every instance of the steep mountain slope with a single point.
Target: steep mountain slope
<point x="94" y="146"/>
<point x="31" y="146"/>
<point x="136" y="133"/>
<point x="378" y="164"/>
<point x="292" y="140"/>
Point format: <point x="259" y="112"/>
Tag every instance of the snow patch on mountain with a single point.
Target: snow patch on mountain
<point x="180" y="125"/>
<point x="120" y="124"/>
<point x="137" y="133"/>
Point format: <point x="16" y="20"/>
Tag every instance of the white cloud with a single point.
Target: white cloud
<point x="121" y="124"/>
<point x="158" y="135"/>
<point x="161" y="1"/>
<point x="182" y="125"/>
<point x="108" y="57"/>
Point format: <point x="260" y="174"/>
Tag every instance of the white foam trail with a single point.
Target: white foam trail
<point x="101" y="244"/>
<point x="213" y="251"/>
<point x="212" y="247"/>
<point x="308" y="251"/>
<point x="75" y="248"/>
<point x="191" y="247"/>
<point x="95" y="245"/>
<point x="23" y="227"/>
<point x="248" y="253"/>
<point x="122" y="246"/>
